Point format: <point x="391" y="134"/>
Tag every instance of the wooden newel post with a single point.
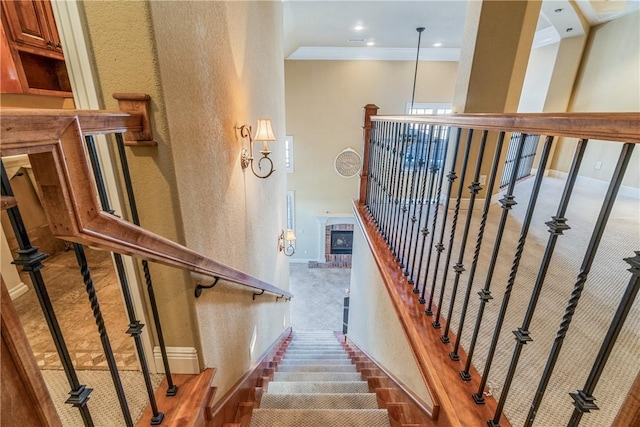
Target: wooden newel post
<point x="369" y="110"/>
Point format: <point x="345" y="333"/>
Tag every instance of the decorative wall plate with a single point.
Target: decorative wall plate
<point x="347" y="163"/>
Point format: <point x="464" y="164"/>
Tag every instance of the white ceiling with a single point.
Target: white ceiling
<point x="322" y="29"/>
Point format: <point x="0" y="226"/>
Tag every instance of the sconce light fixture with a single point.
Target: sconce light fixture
<point x="285" y="242"/>
<point x="263" y="133"/>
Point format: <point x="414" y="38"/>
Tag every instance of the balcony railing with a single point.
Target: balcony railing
<point x="441" y="237"/>
<point x="62" y="152"/>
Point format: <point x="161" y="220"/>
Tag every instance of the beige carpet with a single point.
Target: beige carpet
<point x="602" y="293"/>
<point x="103" y="401"/>
<point x="308" y="392"/>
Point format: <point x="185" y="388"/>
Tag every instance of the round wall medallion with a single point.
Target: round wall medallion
<point x="347" y="163"/>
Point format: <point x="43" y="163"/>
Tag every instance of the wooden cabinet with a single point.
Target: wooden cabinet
<point x="31" y="23"/>
<point x="35" y="48"/>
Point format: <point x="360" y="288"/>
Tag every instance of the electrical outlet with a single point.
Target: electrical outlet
<point x="598" y="165"/>
<point x="483" y="179"/>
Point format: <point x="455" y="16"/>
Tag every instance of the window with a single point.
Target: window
<point x="418" y="138"/>
<point x="288" y="153"/>
<point x="291" y="210"/>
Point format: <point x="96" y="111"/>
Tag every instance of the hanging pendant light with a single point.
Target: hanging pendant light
<point x="415" y="74"/>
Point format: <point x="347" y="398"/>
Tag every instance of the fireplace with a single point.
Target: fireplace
<point x="341" y="242"/>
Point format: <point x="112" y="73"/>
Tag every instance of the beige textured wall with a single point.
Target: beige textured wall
<point x="222" y="64"/>
<point x="324" y="101"/>
<point x="121" y="39"/>
<point x="372" y="317"/>
<point x="607" y="82"/>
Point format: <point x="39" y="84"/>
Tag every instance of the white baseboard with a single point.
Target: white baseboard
<point x="18" y="291"/>
<point x="624" y="190"/>
<point x="182" y="360"/>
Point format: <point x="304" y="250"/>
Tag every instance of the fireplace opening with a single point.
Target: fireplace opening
<point x="341" y="242"/>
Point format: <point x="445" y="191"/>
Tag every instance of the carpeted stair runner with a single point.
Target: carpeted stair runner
<point x="317" y="385"/>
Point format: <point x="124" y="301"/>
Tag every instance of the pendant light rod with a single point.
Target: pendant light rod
<point x="415" y="74"/>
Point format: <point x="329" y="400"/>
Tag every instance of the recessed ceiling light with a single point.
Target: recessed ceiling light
<point x="370" y="43"/>
<point x="358" y="28"/>
<point x="437" y="44"/>
<point x="569" y="29"/>
<point x="558" y="10"/>
<point x="357" y="40"/>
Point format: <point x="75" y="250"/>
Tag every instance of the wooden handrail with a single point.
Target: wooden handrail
<point x="620" y="127"/>
<point x="53" y="139"/>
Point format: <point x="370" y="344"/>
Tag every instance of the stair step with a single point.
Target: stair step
<point x="289" y="362"/>
<point x="288" y="387"/>
<point x="319" y="401"/>
<point x="288" y="356"/>
<point x="298" y="352"/>
<point x="320" y="417"/>
<point x="317" y="376"/>
<point x="317" y="368"/>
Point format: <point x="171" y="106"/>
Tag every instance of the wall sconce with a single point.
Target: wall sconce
<point x="264" y="133"/>
<point x="285" y="242"/>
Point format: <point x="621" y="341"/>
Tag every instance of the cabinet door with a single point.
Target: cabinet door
<point x="28" y="23"/>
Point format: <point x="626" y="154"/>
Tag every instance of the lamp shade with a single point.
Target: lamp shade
<point x="290" y="237"/>
<point x="264" y="131"/>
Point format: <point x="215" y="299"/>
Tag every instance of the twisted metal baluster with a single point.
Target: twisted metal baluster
<point x="451" y="177"/>
<point x="584" y="400"/>
<point x="31" y="261"/>
<point x="102" y="330"/>
<point x="395" y="229"/>
<point x="411" y="217"/>
<point x="452" y="235"/>
<point x="474" y="188"/>
<point x="424" y="178"/>
<point x="585" y="268"/>
<point x="556" y="228"/>
<point x="437" y="170"/>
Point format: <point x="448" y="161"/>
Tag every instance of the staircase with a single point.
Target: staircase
<point x="316" y="384"/>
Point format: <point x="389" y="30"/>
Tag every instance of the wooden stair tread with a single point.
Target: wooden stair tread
<point x="189" y="406"/>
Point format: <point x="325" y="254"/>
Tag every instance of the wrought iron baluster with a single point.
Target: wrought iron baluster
<point x="386" y="197"/>
<point x="396" y="147"/>
<point x="451" y="177"/>
<point x="371" y="174"/>
<point x="556" y="228"/>
<point x="135" y="327"/>
<point x="584" y="400"/>
<point x="31" y="261"/>
<point x="485" y="295"/>
<point x="474" y="189"/>
<point x="102" y="330"/>
<point x="452" y="235"/>
<point x="404" y="190"/>
<point x="424" y="178"/>
<point x="172" y="389"/>
<point x="408" y="235"/>
<point x="598" y="230"/>
<point x="437" y="173"/>
<point x="395" y="229"/>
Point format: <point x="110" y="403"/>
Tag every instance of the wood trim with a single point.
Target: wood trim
<point x="629" y="414"/>
<point x="419" y="411"/>
<point x="137" y="103"/>
<point x="55" y="148"/>
<point x="439" y="372"/>
<point x="369" y="110"/>
<point x="31" y="403"/>
<point x="188" y="407"/>
<point x="621" y="127"/>
<point x="226" y="409"/>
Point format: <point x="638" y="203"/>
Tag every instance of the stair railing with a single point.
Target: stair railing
<point x="62" y="152"/>
<point x="416" y="202"/>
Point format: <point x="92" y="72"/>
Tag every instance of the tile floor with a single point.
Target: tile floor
<point x="73" y="311"/>
<point x="319" y="296"/>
